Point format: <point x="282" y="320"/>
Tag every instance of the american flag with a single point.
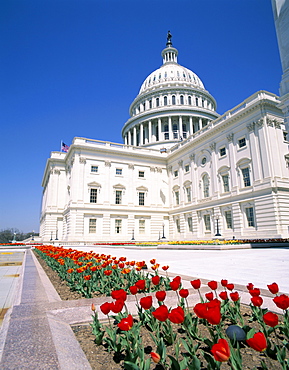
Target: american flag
<point x="64" y="147"/>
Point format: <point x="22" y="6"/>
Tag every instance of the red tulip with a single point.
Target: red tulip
<point x="105" y="308"/>
<point x="161" y="313"/>
<point x="156" y="280"/>
<point x="126" y="323"/>
<point x="153" y="261"/>
<point x="174" y="285"/>
<point x="230" y="286"/>
<point x="221" y="350"/>
<point x="146" y="302"/>
<point x="119" y="294"/>
<point x="177" y="315"/>
<point x="257" y="301"/>
<point x="224" y="282"/>
<point x="165" y="268"/>
<point x="254" y="292"/>
<point x="155" y="357"/>
<point x="209" y="296"/>
<point x="258" y="342"/>
<point x="282" y="301"/>
<point x="223" y="295"/>
<point x="196" y="284"/>
<point x="87" y="277"/>
<point x="184" y="293"/>
<point x="133" y="289"/>
<point x="107" y="272"/>
<point x="117" y="306"/>
<point x="213" y="285"/>
<point x="161" y="295"/>
<point x="213" y="315"/>
<point x="177" y="279"/>
<point x="271" y="319"/>
<point x="235" y="296"/>
<point x="141" y="284"/>
<point x="200" y="310"/>
<point x="274" y="289"/>
<point x="250" y="286"/>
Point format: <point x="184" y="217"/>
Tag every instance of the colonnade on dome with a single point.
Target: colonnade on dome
<point x="164" y="129"/>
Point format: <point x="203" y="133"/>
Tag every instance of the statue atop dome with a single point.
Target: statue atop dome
<point x="169" y="39"/>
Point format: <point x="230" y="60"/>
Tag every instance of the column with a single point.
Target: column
<point x="141" y="134"/>
<point x="129" y="137"/>
<point x="191" y="125"/>
<point x="134" y="136"/>
<point x="200" y="123"/>
<point x="125" y="139"/>
<point x="181" y="126"/>
<point x="150" y="132"/>
<point x="170" y="128"/>
<point x="160" y="128"/>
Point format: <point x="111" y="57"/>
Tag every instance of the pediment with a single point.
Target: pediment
<point x="95" y="184"/>
<point x="119" y="186"/>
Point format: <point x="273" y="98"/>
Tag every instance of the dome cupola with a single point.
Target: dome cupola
<point x="172" y="104"/>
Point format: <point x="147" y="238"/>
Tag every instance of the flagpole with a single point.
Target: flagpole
<point x="61" y="145"/>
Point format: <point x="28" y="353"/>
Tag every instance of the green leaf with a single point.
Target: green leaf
<point x="130" y="366"/>
<point x="175" y="364"/>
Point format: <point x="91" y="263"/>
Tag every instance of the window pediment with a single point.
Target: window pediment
<point x="187" y="183"/>
<point x="176" y="188"/>
<point x="94" y="184"/>
<point x="223" y="169"/>
<point x="119" y="186"/>
<point x="243" y="162"/>
<point x="141" y="188"/>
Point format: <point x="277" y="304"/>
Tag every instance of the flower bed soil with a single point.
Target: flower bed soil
<point x="100" y="359"/>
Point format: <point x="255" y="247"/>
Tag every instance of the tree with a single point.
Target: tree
<point x="7" y="235"/>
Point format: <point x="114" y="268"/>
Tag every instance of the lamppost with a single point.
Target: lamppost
<point x="132" y="235"/>
<point x="163" y="237"/>
<point x="51" y="236"/>
<point x="56" y="238"/>
<point x="218" y="231"/>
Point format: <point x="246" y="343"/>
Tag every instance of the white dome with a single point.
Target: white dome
<point x="171" y="73"/>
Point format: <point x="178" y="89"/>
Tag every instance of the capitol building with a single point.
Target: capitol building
<point x="183" y="172"/>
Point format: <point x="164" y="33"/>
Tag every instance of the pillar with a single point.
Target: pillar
<point x="134" y="136"/>
<point x="160" y="128"/>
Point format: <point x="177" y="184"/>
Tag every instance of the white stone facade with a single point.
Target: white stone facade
<point x="183" y="172"/>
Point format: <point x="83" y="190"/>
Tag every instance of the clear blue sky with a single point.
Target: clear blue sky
<point x="72" y="68"/>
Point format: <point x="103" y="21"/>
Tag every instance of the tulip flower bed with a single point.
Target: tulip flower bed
<point x="218" y="332"/>
<point x="212" y="333"/>
<point x="92" y="274"/>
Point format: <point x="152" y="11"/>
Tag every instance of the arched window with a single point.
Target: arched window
<point x="206" y="186"/>
<point x="157" y="102"/>
<point x="190" y="100"/>
<point x="150" y="104"/>
<point x="184" y="130"/>
<point x="157" y="133"/>
<point x="144" y="106"/>
<point x="165" y="100"/>
<point x="173" y="100"/>
<point x="197" y="101"/>
<point x="175" y="131"/>
<point x="182" y="99"/>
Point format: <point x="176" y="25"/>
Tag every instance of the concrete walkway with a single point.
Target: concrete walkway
<point x="36" y="332"/>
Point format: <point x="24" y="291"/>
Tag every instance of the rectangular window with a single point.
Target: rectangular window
<point x="141" y="226"/>
<point x="285" y="133"/>
<point x="187" y="168"/>
<point x="176" y="173"/>
<point x="118" y="196"/>
<point x="140" y="173"/>
<point x="93" y="195"/>
<point x="226" y="187"/>
<point x="94" y="169"/>
<point x="189" y="194"/>
<point x="222" y="151"/>
<point x="177" y="195"/>
<point x="246" y="176"/>
<point x="178" y="226"/>
<point x="92" y="225"/>
<point x="228" y="218"/>
<point x="118" y="171"/>
<point x="190" y="224"/>
<point x="250" y="216"/>
<point x="242" y="142"/>
<point x="207" y="222"/>
<point x="118" y="226"/>
<point x="141" y="197"/>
